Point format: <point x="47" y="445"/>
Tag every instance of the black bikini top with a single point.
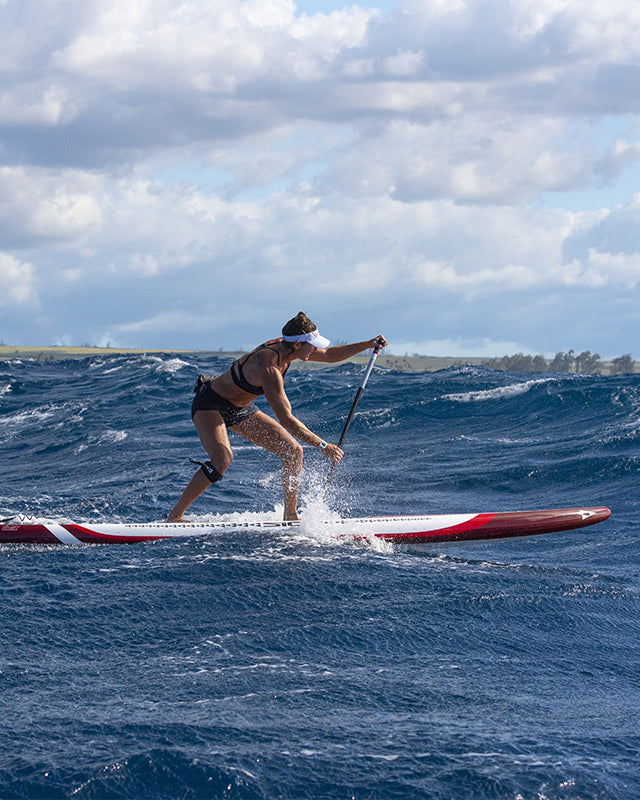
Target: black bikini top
<point x="237" y="372"/>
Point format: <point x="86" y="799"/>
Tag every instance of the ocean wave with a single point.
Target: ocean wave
<point x="498" y="393"/>
<point x="171" y="365"/>
<point x="166" y="773"/>
<point x="30" y="416"/>
<point x="267" y="664"/>
<point x="109" y="437"/>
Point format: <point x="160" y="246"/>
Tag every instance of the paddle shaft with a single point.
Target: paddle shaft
<point x="352" y="412"/>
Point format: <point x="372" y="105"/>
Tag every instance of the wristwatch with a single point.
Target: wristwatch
<point x="322" y="444"/>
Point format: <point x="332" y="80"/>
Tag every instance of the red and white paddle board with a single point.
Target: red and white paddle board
<point x="437" y="529"/>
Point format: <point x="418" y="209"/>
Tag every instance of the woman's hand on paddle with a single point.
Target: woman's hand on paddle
<point x="379" y="342"/>
<point x="333" y="452"/>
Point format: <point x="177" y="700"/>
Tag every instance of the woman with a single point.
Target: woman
<point x="226" y="401"/>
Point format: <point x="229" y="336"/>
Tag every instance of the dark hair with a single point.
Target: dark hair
<point x="299" y="324"/>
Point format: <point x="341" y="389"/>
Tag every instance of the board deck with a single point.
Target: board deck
<point x="436" y="529"/>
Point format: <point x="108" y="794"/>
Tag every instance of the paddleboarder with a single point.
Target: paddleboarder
<point x="226" y="402"/>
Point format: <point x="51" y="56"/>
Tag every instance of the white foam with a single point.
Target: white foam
<point x="30" y="415"/>
<point x="499" y="393"/>
<point x="107" y="437"/>
<point x="172" y="365"/>
<point x="112" y="437"/>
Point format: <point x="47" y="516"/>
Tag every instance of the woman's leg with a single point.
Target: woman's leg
<point x="263" y="430"/>
<point x="213" y="435"/>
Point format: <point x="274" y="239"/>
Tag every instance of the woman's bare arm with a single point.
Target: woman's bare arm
<point x="342" y="352"/>
<point x="275" y="394"/>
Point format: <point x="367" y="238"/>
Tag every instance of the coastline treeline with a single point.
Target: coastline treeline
<point x="585" y="363"/>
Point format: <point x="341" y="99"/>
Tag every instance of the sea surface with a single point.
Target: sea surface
<point x="265" y="665"/>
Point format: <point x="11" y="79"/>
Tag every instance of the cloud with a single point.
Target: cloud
<point x="457" y="348"/>
<point x="197" y="164"/>
<point x="619" y="156"/>
<point x="46" y="206"/>
<point x="607" y="253"/>
<point x="16" y="282"/>
<point x="463" y="160"/>
<point x="128" y="77"/>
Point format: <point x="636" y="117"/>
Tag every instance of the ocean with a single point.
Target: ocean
<point x="265" y="665"/>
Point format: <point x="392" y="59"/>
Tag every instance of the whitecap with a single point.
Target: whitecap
<point x="172" y="365"/>
<point x="106" y="437"/>
<point x="27" y="416"/>
<point x="499" y="393"/>
<point x="112" y="437"/>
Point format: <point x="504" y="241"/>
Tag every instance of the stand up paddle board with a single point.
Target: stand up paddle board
<point x="411" y="530"/>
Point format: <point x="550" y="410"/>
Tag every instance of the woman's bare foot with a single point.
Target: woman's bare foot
<point x="176" y="518"/>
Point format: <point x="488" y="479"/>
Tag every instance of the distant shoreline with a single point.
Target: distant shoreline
<point x="58" y="353"/>
<point x="414" y="363"/>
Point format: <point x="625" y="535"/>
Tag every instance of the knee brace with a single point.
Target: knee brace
<point x="209" y="470"/>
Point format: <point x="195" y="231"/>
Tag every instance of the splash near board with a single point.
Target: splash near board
<point x="439" y="529"/>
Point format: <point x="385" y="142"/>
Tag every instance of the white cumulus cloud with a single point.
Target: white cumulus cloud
<point x="16" y="281"/>
<point x="439" y="167"/>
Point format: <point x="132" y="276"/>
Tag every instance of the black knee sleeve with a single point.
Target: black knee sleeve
<point x="209" y="470"/>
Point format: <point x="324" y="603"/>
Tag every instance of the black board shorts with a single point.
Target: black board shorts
<point x="208" y="400"/>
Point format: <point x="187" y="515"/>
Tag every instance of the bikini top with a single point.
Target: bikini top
<point x="237" y="372"/>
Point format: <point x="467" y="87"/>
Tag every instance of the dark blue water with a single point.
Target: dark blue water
<point x="264" y="666"/>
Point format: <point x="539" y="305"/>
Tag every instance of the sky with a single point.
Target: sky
<point x="462" y="176"/>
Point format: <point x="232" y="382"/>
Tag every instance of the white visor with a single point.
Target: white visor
<point x="313" y="338"/>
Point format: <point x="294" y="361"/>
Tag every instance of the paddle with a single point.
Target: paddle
<point x="352" y="412"/>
